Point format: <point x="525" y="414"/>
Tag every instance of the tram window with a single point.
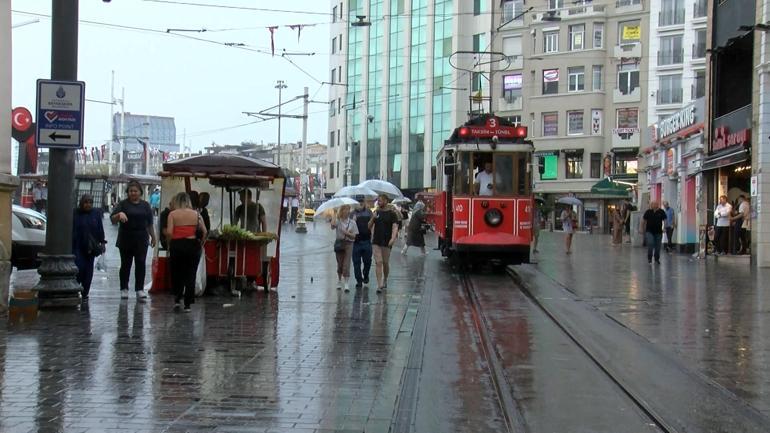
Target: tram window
<point x="463" y="174"/>
<point x="523" y="182"/>
<point x="503" y="169"/>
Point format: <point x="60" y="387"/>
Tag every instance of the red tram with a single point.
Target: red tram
<point x="484" y="204"/>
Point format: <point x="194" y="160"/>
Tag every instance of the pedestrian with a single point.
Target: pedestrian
<point x="163" y="223"/>
<point x="203" y="202"/>
<point x="37" y="196"/>
<point x="722" y="214"/>
<point x="626" y="213"/>
<point x="362" y="247"/>
<point x="155" y="201"/>
<point x="568" y="220"/>
<point x="537" y="220"/>
<point x="250" y="214"/>
<point x="384" y="227"/>
<point x="88" y="240"/>
<point x="670" y="225"/>
<point x="135" y="218"/>
<point x="415" y="230"/>
<point x="346" y="230"/>
<point x="652" y="229"/>
<point x="285" y="210"/>
<point x="617" y="226"/>
<point x="185" y="232"/>
<point x="740" y="223"/>
<point x="294" y="209"/>
<point x="44" y="197"/>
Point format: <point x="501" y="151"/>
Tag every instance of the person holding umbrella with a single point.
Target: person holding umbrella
<point x="569" y="220"/>
<point x="384" y="227"/>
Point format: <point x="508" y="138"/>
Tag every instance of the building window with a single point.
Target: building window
<point x="671" y="51"/>
<point x="627" y="118"/>
<point x="699" y="88"/>
<point x="478" y="42"/>
<point x="334" y="14"/>
<point x="512" y="47"/>
<point x="575" y="122"/>
<point x="550" y="81"/>
<point x="598" y="35"/>
<point x="671" y="13"/>
<point x="596" y="165"/>
<point x="333" y="75"/>
<point x="700" y="9"/>
<point x="511" y="10"/>
<point x="331" y="138"/>
<point x="550" y="42"/>
<point x="596" y="77"/>
<point x="577" y="79"/>
<point x="699" y="47"/>
<point x="478" y="7"/>
<point x="574" y="165"/>
<point x="550" y="167"/>
<point x="512" y="88"/>
<point x="629" y="32"/>
<point x="550" y="124"/>
<point x="339" y="74"/>
<point x="334" y="45"/>
<point x="576" y="37"/>
<point x="339" y="105"/>
<point x="339" y="137"/>
<point x="626" y="163"/>
<point x="338" y="169"/>
<point x="628" y="77"/>
<point x="555" y="4"/>
<point x="340" y="41"/>
<point x="670" y="90"/>
<point x="516" y="119"/>
<point x="476" y="78"/>
<point x="331" y="170"/>
<point x="333" y="111"/>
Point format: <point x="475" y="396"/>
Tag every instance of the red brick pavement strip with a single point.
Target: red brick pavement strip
<point x="713" y="313"/>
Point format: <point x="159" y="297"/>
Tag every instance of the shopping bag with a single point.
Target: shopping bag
<point x="665" y="238"/>
<point x="200" y="276"/>
<point x="101" y="263"/>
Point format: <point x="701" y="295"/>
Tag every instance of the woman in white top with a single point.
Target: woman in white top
<point x="568" y="224"/>
<point x="722" y="215"/>
<point x="346" y="231"/>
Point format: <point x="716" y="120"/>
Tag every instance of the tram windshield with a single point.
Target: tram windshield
<point x="492" y="174"/>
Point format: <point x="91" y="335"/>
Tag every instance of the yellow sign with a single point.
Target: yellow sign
<point x="632" y="33"/>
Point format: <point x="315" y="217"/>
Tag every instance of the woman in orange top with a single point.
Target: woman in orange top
<point x="186" y="233"/>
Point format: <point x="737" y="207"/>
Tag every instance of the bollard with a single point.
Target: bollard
<point x="22" y="306"/>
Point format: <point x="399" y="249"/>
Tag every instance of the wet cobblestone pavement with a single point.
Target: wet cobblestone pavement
<point x="310" y="358"/>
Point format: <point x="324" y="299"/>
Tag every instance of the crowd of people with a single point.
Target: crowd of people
<point x="362" y="234"/>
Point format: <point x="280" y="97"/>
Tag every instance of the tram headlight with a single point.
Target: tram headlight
<point x="493" y="217"/>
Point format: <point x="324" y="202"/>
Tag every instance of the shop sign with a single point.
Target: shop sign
<point x="632" y="33"/>
<point x="620" y="131"/>
<point x="723" y="138"/>
<point x="596" y="122"/>
<point x="671" y="162"/>
<point x="675" y="123"/>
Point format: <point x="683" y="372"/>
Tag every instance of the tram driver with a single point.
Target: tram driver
<point x="486" y="181"/>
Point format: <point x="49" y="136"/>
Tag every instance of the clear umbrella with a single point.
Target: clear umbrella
<point x="356" y="190"/>
<point x="383" y="187"/>
<point x="573" y="201"/>
<point x="329" y="206"/>
<point x="402" y="200"/>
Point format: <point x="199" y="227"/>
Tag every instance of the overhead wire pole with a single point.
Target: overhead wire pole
<point x="280" y="85"/>
<point x="303" y="164"/>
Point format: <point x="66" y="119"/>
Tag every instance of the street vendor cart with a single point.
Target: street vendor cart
<point x="234" y="254"/>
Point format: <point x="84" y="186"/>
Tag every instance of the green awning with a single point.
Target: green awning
<point x="608" y="187"/>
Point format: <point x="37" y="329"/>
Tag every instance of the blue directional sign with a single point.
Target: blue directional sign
<point x="60" y="114"/>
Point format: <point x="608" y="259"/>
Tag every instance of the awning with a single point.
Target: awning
<point x="608" y="187"/>
<point x="545" y="153"/>
<point x="723" y="159"/>
<point x="572" y="151"/>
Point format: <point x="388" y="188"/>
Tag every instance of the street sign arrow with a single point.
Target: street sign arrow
<point x="54" y="136"/>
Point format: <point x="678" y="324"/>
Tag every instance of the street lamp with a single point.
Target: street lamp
<point x="280" y="85"/>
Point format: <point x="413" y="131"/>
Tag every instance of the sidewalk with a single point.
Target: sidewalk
<point x="713" y="313"/>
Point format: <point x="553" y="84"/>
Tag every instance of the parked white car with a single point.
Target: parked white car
<point x="28" y="237"/>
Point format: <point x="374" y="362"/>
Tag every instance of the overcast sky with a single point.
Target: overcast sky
<point x="204" y="86"/>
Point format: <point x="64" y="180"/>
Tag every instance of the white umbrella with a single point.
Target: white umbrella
<point x="335" y="203"/>
<point x="355" y="190"/>
<point x="572" y="201"/>
<point x="402" y="200"/>
<point x="382" y="187"/>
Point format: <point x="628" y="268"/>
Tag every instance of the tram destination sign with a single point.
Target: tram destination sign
<point x="492" y="128"/>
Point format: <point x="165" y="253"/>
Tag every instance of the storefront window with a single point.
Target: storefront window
<point x="574" y="166"/>
<point x="550" y="165"/>
<point x="626" y="163"/>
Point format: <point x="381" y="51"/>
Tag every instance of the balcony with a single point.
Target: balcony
<point x="669" y="96"/>
<point x="586" y="9"/>
<point x="512" y="104"/>
<point x="551" y="15"/>
<point x="674" y="57"/>
<point x="671" y="18"/>
<point x="625" y="139"/>
<point x="626" y="51"/>
<point x="700" y="9"/>
<point x="619" y="97"/>
<point x="628" y="6"/>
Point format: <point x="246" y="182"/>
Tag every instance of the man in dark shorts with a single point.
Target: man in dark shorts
<point x="384" y="227"/>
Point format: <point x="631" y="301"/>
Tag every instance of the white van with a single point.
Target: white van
<point x="28" y="237"/>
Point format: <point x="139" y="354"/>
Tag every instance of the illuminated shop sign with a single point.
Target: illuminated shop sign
<point x="723" y="138"/>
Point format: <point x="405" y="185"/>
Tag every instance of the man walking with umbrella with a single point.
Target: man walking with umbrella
<point x="362" y="247"/>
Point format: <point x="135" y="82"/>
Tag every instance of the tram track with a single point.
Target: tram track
<point x="510" y="403"/>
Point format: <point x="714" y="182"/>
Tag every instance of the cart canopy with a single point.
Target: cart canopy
<point x="222" y="164"/>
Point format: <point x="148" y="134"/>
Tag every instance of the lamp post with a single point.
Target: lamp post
<point x="303" y="164"/>
<point x="280" y="85"/>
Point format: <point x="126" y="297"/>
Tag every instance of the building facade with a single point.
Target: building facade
<point x="398" y="86"/>
<point x="677" y="116"/>
<point x="578" y="77"/>
<point x="147" y="141"/>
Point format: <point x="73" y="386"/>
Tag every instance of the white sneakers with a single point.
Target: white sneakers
<point x="140" y="294"/>
<point x="235" y="293"/>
